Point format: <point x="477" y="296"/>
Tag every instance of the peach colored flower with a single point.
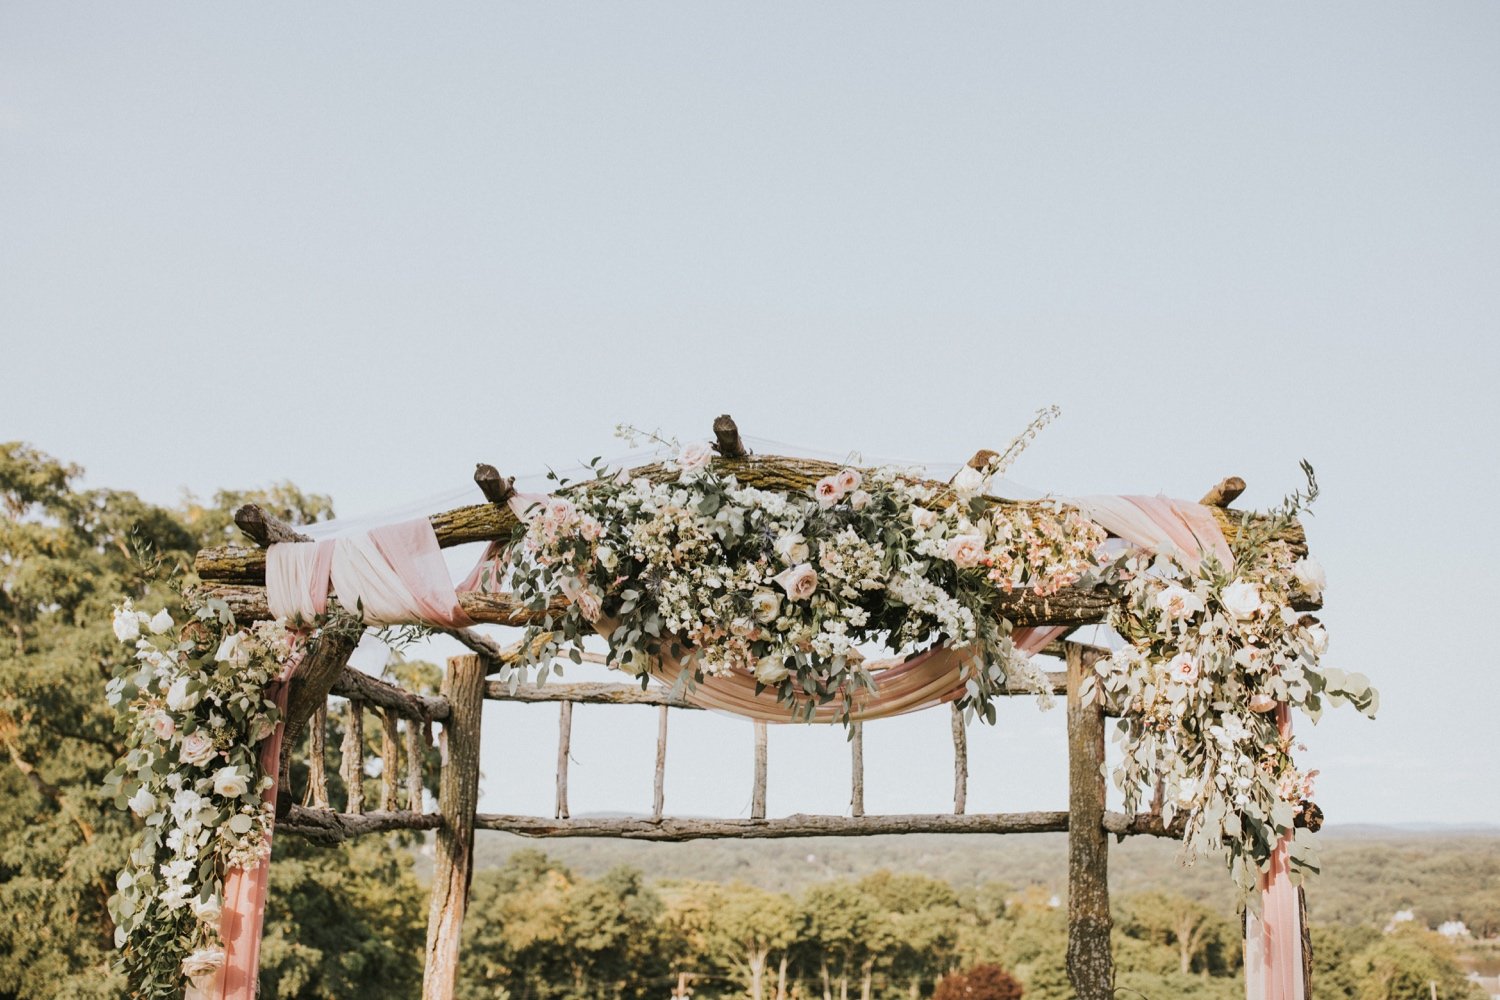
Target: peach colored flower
<point x="966" y="551"/>
<point x="799" y="582"/>
<point x="849" y="480"/>
<point x="828" y="491"/>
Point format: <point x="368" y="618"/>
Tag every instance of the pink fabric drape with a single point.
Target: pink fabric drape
<point x="1273" y="942"/>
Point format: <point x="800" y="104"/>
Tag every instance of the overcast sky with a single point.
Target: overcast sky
<point x="363" y="246"/>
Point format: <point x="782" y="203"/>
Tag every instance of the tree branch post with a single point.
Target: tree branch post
<point x="1090" y="966"/>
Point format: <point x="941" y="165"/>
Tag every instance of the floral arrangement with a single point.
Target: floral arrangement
<point x="1210" y="654"/>
<point x="789" y="585"/>
<point x="192" y="705"/>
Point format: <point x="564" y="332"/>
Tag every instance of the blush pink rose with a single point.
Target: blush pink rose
<point x="799" y="582"/>
<point x="827" y="491"/>
<point x="966" y="551"/>
<point x="196" y="749"/>
<point x="848" y="481"/>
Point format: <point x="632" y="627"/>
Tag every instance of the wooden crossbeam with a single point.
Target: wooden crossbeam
<point x="326" y="827"/>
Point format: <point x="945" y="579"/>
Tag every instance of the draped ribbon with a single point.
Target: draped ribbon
<point x="1273" y="941"/>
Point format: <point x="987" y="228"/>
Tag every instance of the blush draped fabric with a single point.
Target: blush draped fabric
<point x="1273" y="940"/>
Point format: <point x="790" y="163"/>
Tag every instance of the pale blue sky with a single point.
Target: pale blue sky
<point x="363" y="246"/>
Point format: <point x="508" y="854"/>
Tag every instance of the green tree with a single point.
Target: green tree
<point x="1408" y="965"/>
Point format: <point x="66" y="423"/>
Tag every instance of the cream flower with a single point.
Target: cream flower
<point x="1262" y="703"/>
<point x="1309" y="573"/>
<point x="230" y="783"/>
<point x="161" y="622"/>
<point x="849" y="480"/>
<point x="792" y="548"/>
<point x="208" y="911"/>
<point x="234" y="650"/>
<point x="1317" y="637"/>
<point x="765" y="605"/>
<point x="799" y="581"/>
<point x="142" y="803"/>
<point x="127" y="624"/>
<point x="1183" y="669"/>
<point x="771" y="670"/>
<point x="1241" y="599"/>
<point x="966" y="551"/>
<point x="197" y="749"/>
<point x="694" y="456"/>
<point x="1178" y="602"/>
<point x="203" y="962"/>
<point x="162" y="726"/>
<point x="589" y="605"/>
<point x="968" y="482"/>
<point x="179" y="698"/>
<point x="607" y="557"/>
<point x="858" y="499"/>
<point x="921" y="517"/>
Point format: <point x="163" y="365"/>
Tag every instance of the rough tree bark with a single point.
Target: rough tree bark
<point x="1090" y="967"/>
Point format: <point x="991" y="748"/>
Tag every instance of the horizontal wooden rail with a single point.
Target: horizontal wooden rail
<point x="588" y="693"/>
<point x="324" y="826"/>
<point x="680" y="829"/>
<point x="360" y="686"/>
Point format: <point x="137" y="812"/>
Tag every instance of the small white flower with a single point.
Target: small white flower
<point x="208" y="911"/>
<point x="127" y="624"/>
<point x="1183" y="669"/>
<point x="1178" y="602"/>
<point x="230" y="783"/>
<point x="143" y="803"/>
<point x="161" y="622"/>
<point x="179" y="698"/>
<point x="162" y="726"/>
<point x="607" y="557"/>
<point x="921" y="517"/>
<point x="858" y="499"/>
<point x="1241" y="599"/>
<point x="969" y="481"/>
<point x="1317" y="637"/>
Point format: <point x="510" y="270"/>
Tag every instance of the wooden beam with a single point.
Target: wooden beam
<point x="325" y="659"/>
<point x="265" y="528"/>
<point x="317" y="749"/>
<point x="418" y="738"/>
<point x="328" y="828"/>
<point x="458" y="795"/>
<point x="758" y="790"/>
<point x="677" y="829"/>
<point x="390" y="760"/>
<point x="1225" y="493"/>
<point x="857" y="768"/>
<point x="727" y="438"/>
<point x="1090" y="966"/>
<point x="352" y="760"/>
<point x="564" y="744"/>
<point x="353" y="683"/>
<point x="587" y="693"/>
<point x="489" y="522"/>
<point x="960" y="761"/>
<point x="658" y="784"/>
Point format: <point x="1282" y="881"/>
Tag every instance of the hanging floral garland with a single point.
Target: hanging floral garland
<point x="192" y="706"/>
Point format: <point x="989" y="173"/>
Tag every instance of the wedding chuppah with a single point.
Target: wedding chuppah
<point x="777" y="589"/>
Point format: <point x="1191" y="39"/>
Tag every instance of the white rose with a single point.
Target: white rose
<point x="127" y="624"/>
<point x="1241" y="599"/>
<point x="230" y="783"/>
<point x="799" y="581"/>
<point x="695" y="456"/>
<point x="1309" y="573"/>
<point x="143" y="803"/>
<point x="858" y="499"/>
<point x="179" y="698"/>
<point x="771" y="670"/>
<point x="792" y="548"/>
<point x="1317" y="637"/>
<point x="966" y="551"/>
<point x="921" y="517"/>
<point x="968" y="482"/>
<point x="197" y="749"/>
<point x="162" y="726"/>
<point x="607" y="557"/>
<point x="234" y="650"/>
<point x="208" y="911"/>
<point x="765" y="605"/>
<point x="1178" y="602"/>
<point x="161" y="622"/>
<point x="203" y="962"/>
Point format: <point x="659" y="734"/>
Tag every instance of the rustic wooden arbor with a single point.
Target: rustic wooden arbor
<point x="237" y="575"/>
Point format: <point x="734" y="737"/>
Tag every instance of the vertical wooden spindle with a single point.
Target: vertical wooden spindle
<point x="417" y="741"/>
<point x="1090" y="966"/>
<point x="390" y="760"/>
<point x="758" y="796"/>
<point x="658" y="786"/>
<point x="458" y="796"/>
<point x="857" y="768"/>
<point x="564" y="739"/>
<point x="960" y="762"/>
<point x="352" y="766"/>
<point x="317" y="749"/>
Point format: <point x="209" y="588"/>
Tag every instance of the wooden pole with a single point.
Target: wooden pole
<point x="352" y="762"/>
<point x="317" y="748"/>
<point x="960" y="762"/>
<point x="1090" y="967"/>
<point x="658" y="785"/>
<point x="390" y="761"/>
<point x="417" y="739"/>
<point x="857" y="768"/>
<point x="564" y="741"/>
<point x="458" y="797"/>
<point x="758" y="795"/>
